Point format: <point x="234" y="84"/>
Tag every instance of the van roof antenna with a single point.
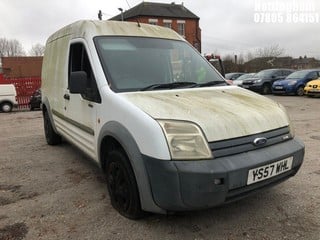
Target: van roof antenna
<point x="138" y="23"/>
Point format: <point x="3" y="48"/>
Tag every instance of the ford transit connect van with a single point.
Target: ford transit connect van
<point x="8" y="97"/>
<point x="169" y="132"/>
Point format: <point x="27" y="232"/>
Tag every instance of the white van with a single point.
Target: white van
<point x="8" y="97"/>
<point x="163" y="124"/>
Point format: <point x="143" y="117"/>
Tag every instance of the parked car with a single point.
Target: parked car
<point x="295" y="82"/>
<point x="263" y="80"/>
<point x="233" y="76"/>
<point x="35" y="100"/>
<point x="239" y="80"/>
<point x="312" y="88"/>
<point x="165" y="145"/>
<point x="8" y="97"/>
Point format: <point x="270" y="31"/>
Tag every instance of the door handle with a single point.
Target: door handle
<point x="66" y="96"/>
<point x="90" y="105"/>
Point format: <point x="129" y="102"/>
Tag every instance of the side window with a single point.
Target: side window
<point x="282" y="73"/>
<point x="313" y="75"/>
<point x="286" y="72"/>
<point x="278" y="73"/>
<point x="79" y="61"/>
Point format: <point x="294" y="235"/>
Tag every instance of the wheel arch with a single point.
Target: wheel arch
<point x="300" y="85"/>
<point x="115" y="135"/>
<point x="46" y="108"/>
<point x="269" y="87"/>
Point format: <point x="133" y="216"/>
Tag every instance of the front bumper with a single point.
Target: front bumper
<point x="284" y="90"/>
<point x="312" y="92"/>
<point x="191" y="185"/>
<point x="253" y="87"/>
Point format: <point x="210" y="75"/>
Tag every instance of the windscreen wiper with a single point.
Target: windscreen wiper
<point x="168" y="85"/>
<point x="211" y="83"/>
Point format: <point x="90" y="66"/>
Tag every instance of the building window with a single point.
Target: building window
<point x="181" y="27"/>
<point x="153" y="21"/>
<point x="167" y="23"/>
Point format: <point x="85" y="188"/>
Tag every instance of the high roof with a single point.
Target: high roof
<point x="90" y="28"/>
<point x="170" y="10"/>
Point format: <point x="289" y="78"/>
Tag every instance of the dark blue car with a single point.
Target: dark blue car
<point x="295" y="82"/>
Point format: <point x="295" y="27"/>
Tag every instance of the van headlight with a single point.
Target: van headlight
<point x="185" y="140"/>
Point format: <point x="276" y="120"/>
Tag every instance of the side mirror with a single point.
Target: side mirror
<point x="78" y="82"/>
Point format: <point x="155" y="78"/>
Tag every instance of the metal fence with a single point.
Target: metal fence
<point x="25" y="87"/>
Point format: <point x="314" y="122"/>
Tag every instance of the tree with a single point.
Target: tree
<point x="241" y="59"/>
<point x="37" y="50"/>
<point x="249" y="56"/>
<point x="270" y="51"/>
<point x="10" y="48"/>
<point x="228" y="57"/>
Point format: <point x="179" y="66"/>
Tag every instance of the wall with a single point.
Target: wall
<point x="17" y="67"/>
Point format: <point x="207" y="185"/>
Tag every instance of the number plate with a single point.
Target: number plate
<point x="278" y="87"/>
<point x="268" y="171"/>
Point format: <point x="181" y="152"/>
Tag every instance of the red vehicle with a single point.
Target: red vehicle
<point x="216" y="61"/>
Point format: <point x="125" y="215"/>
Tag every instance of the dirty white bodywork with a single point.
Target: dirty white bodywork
<point x="55" y="85"/>
<point x="221" y="112"/>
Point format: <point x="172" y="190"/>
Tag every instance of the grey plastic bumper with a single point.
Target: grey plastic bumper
<point x="190" y="185"/>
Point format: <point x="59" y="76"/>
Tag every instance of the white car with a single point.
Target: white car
<point x="239" y="80"/>
<point x="169" y="132"/>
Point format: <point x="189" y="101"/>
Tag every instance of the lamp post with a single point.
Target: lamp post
<point x="121" y="10"/>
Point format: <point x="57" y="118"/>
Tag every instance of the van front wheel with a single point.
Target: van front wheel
<point x="51" y="136"/>
<point x="122" y="185"/>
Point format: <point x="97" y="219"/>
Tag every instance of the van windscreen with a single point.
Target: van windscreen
<point x="134" y="63"/>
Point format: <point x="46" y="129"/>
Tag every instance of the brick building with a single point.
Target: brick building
<point x="175" y="16"/>
<point x="20" y="67"/>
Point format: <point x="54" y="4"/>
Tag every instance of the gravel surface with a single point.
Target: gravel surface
<point x="58" y="193"/>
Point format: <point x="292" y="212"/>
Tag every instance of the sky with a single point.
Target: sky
<point x="228" y="26"/>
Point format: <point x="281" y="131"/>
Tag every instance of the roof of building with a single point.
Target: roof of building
<point x="170" y="10"/>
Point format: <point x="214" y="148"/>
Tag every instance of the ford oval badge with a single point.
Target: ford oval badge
<point x="260" y="141"/>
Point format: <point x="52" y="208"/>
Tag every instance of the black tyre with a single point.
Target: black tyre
<point x="266" y="89"/>
<point x="6" y="107"/>
<point x="300" y="91"/>
<point x="51" y="136"/>
<point x="122" y="185"/>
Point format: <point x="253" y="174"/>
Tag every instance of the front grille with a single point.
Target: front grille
<point x="245" y="144"/>
<point x="247" y="83"/>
